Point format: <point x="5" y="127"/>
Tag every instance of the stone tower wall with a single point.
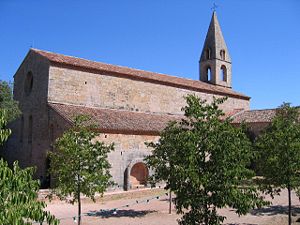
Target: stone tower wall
<point x="215" y="44"/>
<point x="215" y="66"/>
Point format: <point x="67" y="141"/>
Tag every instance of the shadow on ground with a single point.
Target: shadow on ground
<point x="121" y="213"/>
<point x="241" y="224"/>
<point x="274" y="210"/>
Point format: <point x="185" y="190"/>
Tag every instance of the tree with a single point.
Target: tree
<point x="18" y="196"/>
<point x="279" y="149"/>
<point x="79" y="163"/>
<point x="4" y="132"/>
<point x="203" y="161"/>
<point x="7" y="102"/>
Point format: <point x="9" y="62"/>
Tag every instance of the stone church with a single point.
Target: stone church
<point x="130" y="106"/>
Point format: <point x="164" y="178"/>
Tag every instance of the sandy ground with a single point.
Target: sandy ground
<point x="132" y="208"/>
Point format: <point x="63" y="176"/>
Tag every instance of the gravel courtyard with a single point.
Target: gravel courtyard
<point x="141" y="207"/>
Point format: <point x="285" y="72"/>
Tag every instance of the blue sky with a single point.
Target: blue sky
<point x="166" y="36"/>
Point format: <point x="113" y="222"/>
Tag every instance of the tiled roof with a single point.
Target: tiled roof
<point x="119" y="121"/>
<point x="120" y="71"/>
<point x="254" y="116"/>
<point x="110" y="120"/>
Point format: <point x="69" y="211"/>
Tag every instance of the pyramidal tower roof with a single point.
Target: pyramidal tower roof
<point x="214" y="40"/>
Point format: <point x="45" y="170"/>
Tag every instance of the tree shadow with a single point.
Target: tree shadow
<point x="241" y="224"/>
<point x="120" y="213"/>
<point x="274" y="210"/>
<point x="166" y="200"/>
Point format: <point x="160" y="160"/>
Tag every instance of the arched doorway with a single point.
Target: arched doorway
<point x="139" y="175"/>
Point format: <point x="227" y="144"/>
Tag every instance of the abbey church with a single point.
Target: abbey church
<point x="130" y="106"/>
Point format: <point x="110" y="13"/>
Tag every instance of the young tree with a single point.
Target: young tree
<point x="79" y="163"/>
<point x="279" y="149"/>
<point x="18" y="196"/>
<point x="7" y="102"/>
<point x="203" y="161"/>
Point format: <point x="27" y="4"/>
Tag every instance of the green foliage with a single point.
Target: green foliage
<point x="18" y="197"/>
<point x="79" y="163"/>
<point x="7" y="102"/>
<point x="4" y="132"/>
<point x="18" y="191"/>
<point x="279" y="148"/>
<point x="203" y="161"/>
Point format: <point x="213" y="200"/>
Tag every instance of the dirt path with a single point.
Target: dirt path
<point x="144" y="208"/>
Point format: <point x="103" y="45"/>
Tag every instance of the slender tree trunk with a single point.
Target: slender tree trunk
<point x="79" y="202"/>
<point x="170" y="202"/>
<point x="290" y="205"/>
<point x="79" y="209"/>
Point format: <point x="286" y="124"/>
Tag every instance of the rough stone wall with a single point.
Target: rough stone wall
<point x="95" y="90"/>
<point x="56" y="127"/>
<point x="19" y="147"/>
<point x="129" y="150"/>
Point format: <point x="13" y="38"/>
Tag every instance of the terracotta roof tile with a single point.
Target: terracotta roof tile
<point x="120" y="71"/>
<point x="117" y="121"/>
<point x="254" y="116"/>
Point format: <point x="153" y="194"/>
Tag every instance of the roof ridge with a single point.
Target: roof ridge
<point x="131" y="73"/>
<point x="109" y="64"/>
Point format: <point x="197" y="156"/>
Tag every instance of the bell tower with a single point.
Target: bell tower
<point x="215" y="61"/>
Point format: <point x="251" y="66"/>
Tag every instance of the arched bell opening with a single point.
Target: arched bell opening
<point x="223" y="73"/>
<point x="222" y="54"/>
<point x="208" y="53"/>
<point x="208" y="74"/>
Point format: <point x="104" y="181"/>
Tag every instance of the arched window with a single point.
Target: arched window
<point x="208" y="73"/>
<point x="28" y="84"/>
<point x="222" y="54"/>
<point x="208" y="53"/>
<point x="30" y="129"/>
<point x="223" y="73"/>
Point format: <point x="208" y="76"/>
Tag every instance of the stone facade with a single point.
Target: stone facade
<point x="99" y="90"/>
<point x="70" y="86"/>
<point x="131" y="107"/>
<point x="129" y="150"/>
<point x="29" y="147"/>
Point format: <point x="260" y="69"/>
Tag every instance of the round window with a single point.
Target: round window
<point x="28" y="83"/>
